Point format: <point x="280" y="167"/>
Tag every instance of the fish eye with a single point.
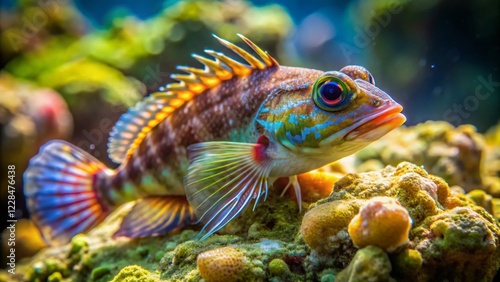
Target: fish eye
<point x="331" y="93"/>
<point x="358" y="72"/>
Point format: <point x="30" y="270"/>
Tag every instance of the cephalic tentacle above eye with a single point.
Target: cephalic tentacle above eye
<point x="358" y="72"/>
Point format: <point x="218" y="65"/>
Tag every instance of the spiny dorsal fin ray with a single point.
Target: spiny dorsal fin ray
<point x="268" y="60"/>
<point x="254" y="62"/>
<point x="133" y="126"/>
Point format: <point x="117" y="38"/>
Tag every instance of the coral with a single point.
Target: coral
<point x="278" y="267"/>
<point x="284" y="222"/>
<point x="134" y="273"/>
<point x="451" y="237"/>
<point x="55" y="277"/>
<point x="99" y="272"/>
<point x="406" y="264"/>
<point x="381" y="222"/>
<point x="369" y="264"/>
<point x="222" y="264"/>
<point x="79" y="245"/>
<point x="482" y="199"/>
<point x="324" y="227"/>
<point x="459" y="243"/>
<point x="449" y="230"/>
<point x="315" y="185"/>
<point x="492" y="161"/>
<point x="455" y="154"/>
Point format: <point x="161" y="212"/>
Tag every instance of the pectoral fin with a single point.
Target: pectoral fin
<point x="222" y="179"/>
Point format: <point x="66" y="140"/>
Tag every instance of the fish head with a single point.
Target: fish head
<point x="338" y="113"/>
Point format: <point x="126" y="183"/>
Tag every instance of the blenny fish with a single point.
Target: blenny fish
<point x="204" y="147"/>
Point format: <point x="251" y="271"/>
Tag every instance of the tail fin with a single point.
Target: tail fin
<point x="60" y="191"/>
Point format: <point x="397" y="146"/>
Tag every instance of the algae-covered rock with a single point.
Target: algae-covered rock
<point x="451" y="237"/>
<point x="482" y="199"/>
<point x="134" y="273"/>
<point x="458" y="243"/>
<point x="406" y="264"/>
<point x="455" y="154"/>
<point x="278" y="267"/>
<point x="492" y="161"/>
<point x="369" y="264"/>
<point x="449" y="231"/>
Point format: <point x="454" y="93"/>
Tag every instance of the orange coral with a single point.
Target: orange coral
<point x="222" y="264"/>
<point x="314" y="185"/>
<point x="382" y="222"/>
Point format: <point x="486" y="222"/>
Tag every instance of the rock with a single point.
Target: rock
<point x="449" y="230"/>
<point x="369" y="264"/>
<point x="406" y="264"/>
<point x="458" y="244"/>
<point x="455" y="154"/>
<point x="278" y="267"/>
<point x="134" y="273"/>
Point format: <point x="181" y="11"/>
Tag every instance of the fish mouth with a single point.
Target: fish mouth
<point x="379" y="124"/>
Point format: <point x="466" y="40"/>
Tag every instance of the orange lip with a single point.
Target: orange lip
<point x="378" y="125"/>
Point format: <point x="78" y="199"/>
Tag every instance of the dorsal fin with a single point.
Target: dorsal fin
<point x="133" y="126"/>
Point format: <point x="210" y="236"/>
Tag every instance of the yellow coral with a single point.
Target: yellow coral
<point x="324" y="227"/>
<point x="382" y="222"/>
<point x="222" y="264"/>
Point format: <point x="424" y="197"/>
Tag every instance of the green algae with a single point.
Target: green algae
<point x="100" y="273"/>
<point x="278" y="267"/>
<point x="450" y="232"/>
<point x="369" y="264"/>
<point x="452" y="153"/>
<point x="55" y="277"/>
<point x="133" y="273"/>
<point x="406" y="264"/>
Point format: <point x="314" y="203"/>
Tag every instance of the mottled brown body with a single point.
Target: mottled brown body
<point x="226" y="112"/>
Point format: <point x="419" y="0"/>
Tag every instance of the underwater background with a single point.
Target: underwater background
<point x="69" y="69"/>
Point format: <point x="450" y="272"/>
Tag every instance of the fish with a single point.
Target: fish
<point x="203" y="148"/>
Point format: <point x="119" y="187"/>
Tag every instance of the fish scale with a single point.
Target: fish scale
<point x="208" y="145"/>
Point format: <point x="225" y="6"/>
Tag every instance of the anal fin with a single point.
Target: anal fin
<point x="156" y="215"/>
